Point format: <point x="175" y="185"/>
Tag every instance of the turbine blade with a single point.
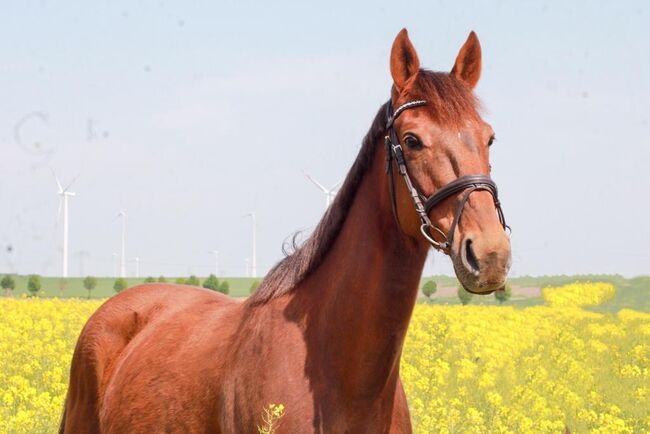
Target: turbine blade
<point x="336" y="186"/>
<point x="71" y="182"/>
<point x="316" y="183"/>
<point x="58" y="183"/>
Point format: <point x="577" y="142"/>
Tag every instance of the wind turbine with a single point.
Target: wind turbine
<point x="329" y="194"/>
<point x="65" y="193"/>
<point x="216" y="261"/>
<point x="122" y="214"/>
<point x="254" y="261"/>
<point x="114" y="264"/>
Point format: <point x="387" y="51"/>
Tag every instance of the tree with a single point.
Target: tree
<point x="120" y="284"/>
<point x="8" y="283"/>
<point x="503" y="295"/>
<point x="162" y="279"/>
<point x="429" y="288"/>
<point x="90" y="283"/>
<point x="464" y="296"/>
<point x="150" y="279"/>
<point x="254" y="286"/>
<point x="193" y="281"/>
<point x="180" y="281"/>
<point x="34" y="284"/>
<point x="211" y="283"/>
<point x="224" y="287"/>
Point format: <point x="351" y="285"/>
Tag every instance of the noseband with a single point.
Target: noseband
<point x="423" y="204"/>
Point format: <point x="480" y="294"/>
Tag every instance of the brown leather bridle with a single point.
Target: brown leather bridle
<point x="423" y="204"/>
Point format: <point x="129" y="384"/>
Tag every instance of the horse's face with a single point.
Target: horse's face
<point x="442" y="141"/>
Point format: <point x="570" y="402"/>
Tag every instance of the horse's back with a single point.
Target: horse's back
<point x="132" y="344"/>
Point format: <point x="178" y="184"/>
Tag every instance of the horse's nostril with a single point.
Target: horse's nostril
<point x="470" y="257"/>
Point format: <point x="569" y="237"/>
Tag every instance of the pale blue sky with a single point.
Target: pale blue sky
<point x="190" y="114"/>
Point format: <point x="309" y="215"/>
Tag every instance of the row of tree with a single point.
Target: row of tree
<point x="430" y="287"/>
<point x="34" y="284"/>
<point x="8" y="283"/>
<point x="211" y="282"/>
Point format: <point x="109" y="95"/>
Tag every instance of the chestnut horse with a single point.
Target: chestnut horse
<point x="324" y="332"/>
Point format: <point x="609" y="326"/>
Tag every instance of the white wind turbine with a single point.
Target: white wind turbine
<point x="254" y="261"/>
<point x="65" y="193"/>
<point x="329" y="194"/>
<point x="122" y="214"/>
<point x="216" y="261"/>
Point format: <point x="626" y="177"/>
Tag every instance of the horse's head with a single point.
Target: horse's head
<point x="443" y="139"/>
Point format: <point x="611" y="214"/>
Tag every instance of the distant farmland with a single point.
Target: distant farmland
<point x="73" y="288"/>
<point x="631" y="293"/>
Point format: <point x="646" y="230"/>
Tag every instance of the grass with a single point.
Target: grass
<point x="73" y="286"/>
<point x="631" y="293"/>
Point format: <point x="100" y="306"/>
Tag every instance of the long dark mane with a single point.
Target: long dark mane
<point x="448" y="99"/>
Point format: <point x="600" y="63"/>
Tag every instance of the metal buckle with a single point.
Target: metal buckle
<point x="438" y="245"/>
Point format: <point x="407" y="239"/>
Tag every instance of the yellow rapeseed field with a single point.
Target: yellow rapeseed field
<point x="479" y="369"/>
<point x="469" y="369"/>
<point x="579" y="294"/>
<point x="37" y="338"/>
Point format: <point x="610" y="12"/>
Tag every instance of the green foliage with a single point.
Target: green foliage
<point x="211" y="283"/>
<point x="162" y="279"/>
<point x="34" y="284"/>
<point x="254" y="286"/>
<point x="463" y="295"/>
<point x="193" y="281"/>
<point x="504" y="295"/>
<point x="429" y="288"/>
<point x="180" y="281"/>
<point x="120" y="284"/>
<point x="8" y="283"/>
<point x="224" y="287"/>
<point x="90" y="283"/>
<point x="150" y="279"/>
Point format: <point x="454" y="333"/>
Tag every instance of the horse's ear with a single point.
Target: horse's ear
<point x="468" y="62"/>
<point x="404" y="62"/>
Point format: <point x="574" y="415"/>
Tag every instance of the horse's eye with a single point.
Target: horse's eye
<point x="491" y="141"/>
<point x="412" y="142"/>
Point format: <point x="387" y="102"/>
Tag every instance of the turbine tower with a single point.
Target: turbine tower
<point x="216" y="261"/>
<point x="114" y="264"/>
<point x="65" y="193"/>
<point x="329" y="194"/>
<point x="254" y="259"/>
<point x="122" y="214"/>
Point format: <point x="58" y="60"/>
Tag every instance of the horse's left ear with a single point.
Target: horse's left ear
<point x="468" y="62"/>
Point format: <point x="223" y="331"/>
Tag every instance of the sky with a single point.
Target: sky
<point x="189" y="115"/>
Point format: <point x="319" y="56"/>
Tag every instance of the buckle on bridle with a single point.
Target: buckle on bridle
<point x="424" y="229"/>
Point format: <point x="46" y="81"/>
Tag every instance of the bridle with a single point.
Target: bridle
<point x="423" y="204"/>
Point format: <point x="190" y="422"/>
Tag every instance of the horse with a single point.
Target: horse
<point x="324" y="331"/>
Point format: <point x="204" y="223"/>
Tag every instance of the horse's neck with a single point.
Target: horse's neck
<point x="359" y="301"/>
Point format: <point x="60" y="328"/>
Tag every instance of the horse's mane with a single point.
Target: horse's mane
<point x="449" y="100"/>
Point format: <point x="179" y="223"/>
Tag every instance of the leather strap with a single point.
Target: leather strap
<point x="467" y="183"/>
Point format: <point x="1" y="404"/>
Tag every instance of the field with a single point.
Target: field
<point x="631" y="293"/>
<point x="73" y="286"/>
<point x="472" y="369"/>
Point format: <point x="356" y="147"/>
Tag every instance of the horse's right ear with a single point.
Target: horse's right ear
<point x="404" y="62"/>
